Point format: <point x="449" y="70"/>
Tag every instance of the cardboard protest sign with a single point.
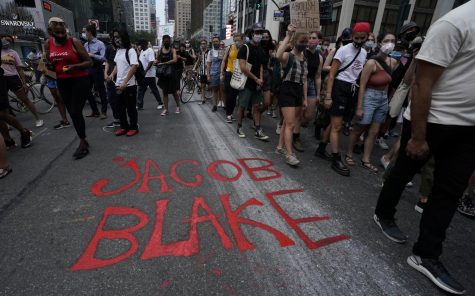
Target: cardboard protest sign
<point x="305" y="15"/>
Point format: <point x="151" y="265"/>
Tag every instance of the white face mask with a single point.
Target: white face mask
<point x="83" y="35"/>
<point x="387" y="48"/>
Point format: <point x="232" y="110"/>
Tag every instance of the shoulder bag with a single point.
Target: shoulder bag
<point x="238" y="80"/>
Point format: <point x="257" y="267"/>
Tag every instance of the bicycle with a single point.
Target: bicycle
<point x="191" y="83"/>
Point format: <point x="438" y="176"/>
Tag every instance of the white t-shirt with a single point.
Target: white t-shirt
<point x="146" y="57"/>
<point x="450" y="43"/>
<point x="345" y="55"/>
<point x="123" y="66"/>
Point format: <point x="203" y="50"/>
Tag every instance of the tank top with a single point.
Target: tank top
<point x="165" y="57"/>
<point x="297" y="71"/>
<point x="62" y="55"/>
<point x="313" y="62"/>
<point x="232" y="55"/>
<point x="379" y="80"/>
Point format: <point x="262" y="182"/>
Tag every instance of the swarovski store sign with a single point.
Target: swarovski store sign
<point x="17" y="23"/>
<point x="24" y="21"/>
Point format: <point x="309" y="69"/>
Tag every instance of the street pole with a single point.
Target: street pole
<point x="257" y="16"/>
<point x="221" y="37"/>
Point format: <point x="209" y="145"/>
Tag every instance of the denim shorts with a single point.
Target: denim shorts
<point x="215" y="80"/>
<point x="311" y="88"/>
<point x="375" y="106"/>
<point x="51" y="83"/>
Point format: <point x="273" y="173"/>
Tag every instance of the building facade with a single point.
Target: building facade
<point x="170" y="8"/>
<point x="197" y="13"/>
<point x="211" y="19"/>
<point x="141" y="9"/>
<point x="182" y="18"/>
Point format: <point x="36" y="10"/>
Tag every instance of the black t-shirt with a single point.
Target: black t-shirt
<point x="256" y="59"/>
<point x="179" y="63"/>
<point x="189" y="59"/>
<point x="313" y="62"/>
<point x="109" y="56"/>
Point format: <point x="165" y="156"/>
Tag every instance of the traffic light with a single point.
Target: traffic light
<point x="258" y="4"/>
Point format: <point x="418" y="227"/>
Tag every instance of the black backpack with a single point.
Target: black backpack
<point x="140" y="73"/>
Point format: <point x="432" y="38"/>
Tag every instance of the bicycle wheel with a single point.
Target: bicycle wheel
<point x="208" y="92"/>
<point x="13" y="103"/>
<point x="187" y="91"/>
<point x="44" y="103"/>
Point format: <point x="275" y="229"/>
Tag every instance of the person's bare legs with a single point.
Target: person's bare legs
<point x="60" y="104"/>
<point x="22" y="96"/>
<point x="165" y="102"/>
<point x="288" y="127"/>
<point x="176" y="96"/>
<point x="4" y="164"/>
<point x="11" y="120"/>
<point x="357" y="131"/>
<point x="369" y="141"/>
<point x="336" y="124"/>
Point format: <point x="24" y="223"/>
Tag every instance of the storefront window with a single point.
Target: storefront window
<point x="428" y="4"/>
<point x="389" y="21"/>
<point x="330" y="30"/>
<point x="362" y="13"/>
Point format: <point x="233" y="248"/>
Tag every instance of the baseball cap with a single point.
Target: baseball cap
<point x="258" y="27"/>
<point x="408" y="26"/>
<point x="55" y="19"/>
<point x="346" y="34"/>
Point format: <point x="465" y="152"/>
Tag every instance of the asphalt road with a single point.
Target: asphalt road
<point x="188" y="208"/>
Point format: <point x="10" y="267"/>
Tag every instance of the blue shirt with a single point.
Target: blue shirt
<point x="96" y="47"/>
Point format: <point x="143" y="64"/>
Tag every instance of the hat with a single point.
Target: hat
<point x="408" y="26"/>
<point x="258" y="27"/>
<point x="402" y="44"/>
<point x="346" y="34"/>
<point x="55" y="19"/>
<point x="361" y="27"/>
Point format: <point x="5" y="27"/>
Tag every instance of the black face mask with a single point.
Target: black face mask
<point x="264" y="43"/>
<point x="358" y="44"/>
<point x="61" y="39"/>
<point x="411" y="36"/>
<point x="118" y="42"/>
<point x="166" y="45"/>
<point x="345" y="42"/>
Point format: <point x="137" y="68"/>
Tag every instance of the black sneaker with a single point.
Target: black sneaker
<point x="419" y="207"/>
<point x="436" y="272"/>
<point x="26" y="139"/>
<point x="261" y="136"/>
<point x="390" y="230"/>
<point x="466" y="207"/>
<point x="110" y="125"/>
<point x="215" y="108"/>
<point x="62" y="124"/>
<point x="322" y="153"/>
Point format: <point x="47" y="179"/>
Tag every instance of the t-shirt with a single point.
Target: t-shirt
<point x="256" y="59"/>
<point x="123" y="66"/>
<point x="179" y="64"/>
<point x="313" y="62"/>
<point x="146" y="57"/>
<point x="345" y="55"/>
<point x="10" y="60"/>
<point x="110" y="55"/>
<point x="450" y="43"/>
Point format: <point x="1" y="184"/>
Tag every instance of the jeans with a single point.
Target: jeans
<point x="127" y="102"/>
<point x="74" y="92"/>
<point x="454" y="161"/>
<point x="149" y="82"/>
<point x="231" y="94"/>
<point x="112" y="98"/>
<point x="97" y="79"/>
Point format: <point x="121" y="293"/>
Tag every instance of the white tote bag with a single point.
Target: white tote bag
<point x="238" y="80"/>
<point x="398" y="99"/>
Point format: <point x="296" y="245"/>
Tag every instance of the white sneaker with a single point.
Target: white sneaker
<point x="382" y="144"/>
<point x="274" y="115"/>
<point x="39" y="123"/>
<point x="269" y="112"/>
<point x="160" y="107"/>
<point x="277" y="130"/>
<point x="178" y="111"/>
<point x="164" y="112"/>
<point x="292" y="160"/>
<point x="384" y="162"/>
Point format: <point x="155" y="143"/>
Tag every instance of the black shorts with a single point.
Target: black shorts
<point x="291" y="94"/>
<point x="4" y="105"/>
<point x="203" y="79"/>
<point x="13" y="83"/>
<point x="344" y="95"/>
<point x="267" y="80"/>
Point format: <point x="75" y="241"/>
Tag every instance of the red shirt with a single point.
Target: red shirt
<point x="62" y="55"/>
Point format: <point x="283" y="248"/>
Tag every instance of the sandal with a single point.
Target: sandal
<point x="5" y="172"/>
<point x="369" y="166"/>
<point x="349" y="160"/>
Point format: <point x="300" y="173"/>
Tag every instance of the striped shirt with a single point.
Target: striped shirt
<point x="202" y="62"/>
<point x="298" y="70"/>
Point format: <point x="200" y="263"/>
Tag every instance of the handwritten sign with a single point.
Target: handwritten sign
<point x="305" y="15"/>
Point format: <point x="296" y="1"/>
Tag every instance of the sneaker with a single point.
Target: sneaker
<point x="466" y="207"/>
<point x="164" y="112"/>
<point x="229" y="119"/>
<point x="232" y="118"/>
<point x="292" y="160"/>
<point x="436" y="272"/>
<point x="382" y="144"/>
<point x="278" y="129"/>
<point x="384" y="162"/>
<point x="178" y="111"/>
<point x="409" y="184"/>
<point x="393" y="134"/>
<point x="104" y="115"/>
<point x="120" y="132"/>
<point x="26" y="138"/>
<point x="215" y="108"/>
<point x="274" y="115"/>
<point x="62" y="124"/>
<point x="297" y="144"/>
<point x="202" y="102"/>
<point x="419" y="207"/>
<point x="269" y="112"/>
<point x="261" y="136"/>
<point x="240" y="133"/>
<point x="132" y="132"/>
<point x="110" y="125"/>
<point x="39" y="123"/>
<point x="281" y="150"/>
<point x="116" y="123"/>
<point x="390" y="230"/>
<point x="160" y="107"/>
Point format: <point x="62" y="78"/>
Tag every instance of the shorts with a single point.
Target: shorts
<point x="215" y="80"/>
<point x="203" y="79"/>
<point x="51" y="83"/>
<point x="290" y="95"/>
<point x="13" y="83"/>
<point x="311" y="88"/>
<point x="344" y="95"/>
<point x="4" y="104"/>
<point x="267" y="80"/>
<point x="246" y="96"/>
<point x="375" y="106"/>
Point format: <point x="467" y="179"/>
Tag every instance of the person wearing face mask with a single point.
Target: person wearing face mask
<point x="192" y="55"/>
<point x="71" y="62"/>
<point x="268" y="47"/>
<point x="227" y="67"/>
<point x="167" y="55"/>
<point x="111" y="50"/>
<point x="182" y="56"/>
<point x="147" y="59"/>
<point x="342" y="91"/>
<point x="201" y="66"/>
<point x="251" y="95"/>
<point x="372" y="106"/>
<point x="370" y="46"/>
<point x="213" y="68"/>
<point x="293" y="93"/>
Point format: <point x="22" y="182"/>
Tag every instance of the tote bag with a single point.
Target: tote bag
<point x="238" y="80"/>
<point x="395" y="106"/>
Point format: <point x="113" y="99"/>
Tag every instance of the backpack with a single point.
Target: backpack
<point x="140" y="72"/>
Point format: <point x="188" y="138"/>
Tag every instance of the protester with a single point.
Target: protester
<point x="70" y="61"/>
<point x="167" y="58"/>
<point x="227" y="68"/>
<point x="96" y="50"/>
<point x="182" y="56"/>
<point x="213" y="68"/>
<point x="440" y="122"/>
<point x="110" y="80"/>
<point x="191" y="56"/>
<point x="201" y="66"/>
<point x="15" y="77"/>
<point x="147" y="58"/>
<point x="268" y="47"/>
